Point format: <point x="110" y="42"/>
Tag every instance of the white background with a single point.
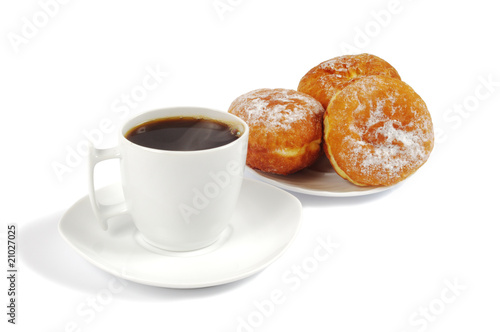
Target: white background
<point x="399" y="250"/>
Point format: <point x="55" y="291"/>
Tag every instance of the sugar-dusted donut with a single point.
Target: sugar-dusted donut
<point x="285" y="129"/>
<point x="329" y="77"/>
<point x="377" y="131"/>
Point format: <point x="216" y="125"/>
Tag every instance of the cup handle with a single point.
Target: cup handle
<point x="102" y="212"/>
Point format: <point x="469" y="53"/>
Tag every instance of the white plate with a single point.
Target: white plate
<point x="265" y="222"/>
<point x="320" y="179"/>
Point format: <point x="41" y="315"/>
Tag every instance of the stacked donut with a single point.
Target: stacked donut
<point x="376" y="131"/>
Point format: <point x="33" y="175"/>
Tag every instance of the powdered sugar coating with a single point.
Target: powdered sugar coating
<point x="329" y="77"/>
<point x="379" y="131"/>
<point x="285" y="129"/>
<point x="275" y="109"/>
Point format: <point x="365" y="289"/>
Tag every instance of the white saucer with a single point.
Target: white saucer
<point x="320" y="179"/>
<point x="265" y="222"/>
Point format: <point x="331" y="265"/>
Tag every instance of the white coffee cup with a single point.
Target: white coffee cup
<point x="178" y="200"/>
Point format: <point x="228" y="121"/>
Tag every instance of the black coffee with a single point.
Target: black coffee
<point x="182" y="134"/>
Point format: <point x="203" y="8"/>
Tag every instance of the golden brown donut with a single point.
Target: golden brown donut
<point x="329" y="77"/>
<point x="285" y="129"/>
<point x="377" y="131"/>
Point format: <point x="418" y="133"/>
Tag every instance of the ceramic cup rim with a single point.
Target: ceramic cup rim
<point x="176" y="111"/>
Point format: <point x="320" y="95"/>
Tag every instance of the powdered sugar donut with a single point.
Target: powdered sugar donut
<point x="329" y="77"/>
<point x="285" y="129"/>
<point x="378" y="131"/>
